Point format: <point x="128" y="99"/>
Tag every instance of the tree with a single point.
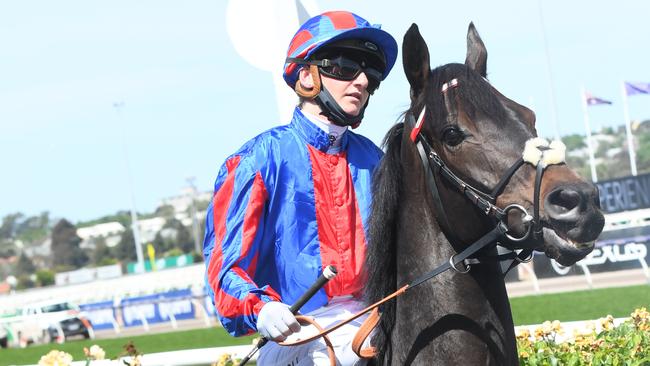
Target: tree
<point x="162" y="244"/>
<point x="9" y="223"/>
<point x="25" y="281"/>
<point x="44" y="277"/>
<point x="184" y="240"/>
<point x="123" y="217"/>
<point x="65" y="246"/>
<point x="166" y="211"/>
<point x="102" y="253"/>
<point x="7" y="248"/>
<point x="574" y="142"/>
<point x="125" y="249"/>
<point x="33" y="228"/>
<point x="25" y="266"/>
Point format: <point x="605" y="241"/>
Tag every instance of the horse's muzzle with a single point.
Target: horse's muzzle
<point x="572" y="211"/>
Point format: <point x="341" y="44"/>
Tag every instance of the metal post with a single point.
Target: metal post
<point x="587" y="273"/>
<point x="549" y="72"/>
<point x="195" y="221"/>
<point x="628" y="131"/>
<point x="134" y="216"/>
<point x="590" y="147"/>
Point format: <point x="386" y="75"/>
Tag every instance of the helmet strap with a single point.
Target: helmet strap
<point x="328" y="105"/>
<point x="333" y="111"/>
<point x="310" y="93"/>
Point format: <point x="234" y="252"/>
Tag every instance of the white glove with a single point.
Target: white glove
<point x="276" y="322"/>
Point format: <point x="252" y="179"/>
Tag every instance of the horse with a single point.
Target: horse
<point x="448" y="180"/>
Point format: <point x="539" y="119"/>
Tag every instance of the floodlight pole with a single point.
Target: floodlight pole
<point x="549" y="73"/>
<point x="134" y="216"/>
<point x="195" y="221"/>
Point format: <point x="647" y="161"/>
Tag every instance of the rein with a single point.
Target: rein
<point x="537" y="152"/>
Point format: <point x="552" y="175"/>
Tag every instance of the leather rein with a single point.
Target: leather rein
<point x="537" y="152"/>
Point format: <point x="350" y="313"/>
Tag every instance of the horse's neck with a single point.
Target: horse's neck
<point x="451" y="307"/>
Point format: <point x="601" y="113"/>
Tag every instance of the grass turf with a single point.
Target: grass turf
<point x="580" y="305"/>
<point x="161" y="342"/>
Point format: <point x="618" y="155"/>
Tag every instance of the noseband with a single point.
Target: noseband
<point x="537" y="152"/>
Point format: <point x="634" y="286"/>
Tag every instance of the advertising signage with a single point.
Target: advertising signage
<point x="624" y="194"/>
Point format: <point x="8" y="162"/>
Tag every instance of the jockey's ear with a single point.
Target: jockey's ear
<point x="305" y="78"/>
<point x="308" y="83"/>
<point x="415" y="57"/>
<point x="476" y="52"/>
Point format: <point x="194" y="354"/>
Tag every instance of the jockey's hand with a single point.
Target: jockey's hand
<point x="276" y="322"/>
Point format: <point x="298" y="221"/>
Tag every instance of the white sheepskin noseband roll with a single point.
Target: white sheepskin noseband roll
<point x="539" y="150"/>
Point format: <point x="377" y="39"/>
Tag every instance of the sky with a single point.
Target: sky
<point x="108" y="103"/>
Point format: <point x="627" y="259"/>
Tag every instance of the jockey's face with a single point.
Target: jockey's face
<point x="351" y="95"/>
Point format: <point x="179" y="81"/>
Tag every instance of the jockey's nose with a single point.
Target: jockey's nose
<point x="362" y="80"/>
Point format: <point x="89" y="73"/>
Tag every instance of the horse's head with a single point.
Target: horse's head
<point x="480" y="136"/>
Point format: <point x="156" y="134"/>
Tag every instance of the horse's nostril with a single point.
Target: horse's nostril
<point x="564" y="200"/>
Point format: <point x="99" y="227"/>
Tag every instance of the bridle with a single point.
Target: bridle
<point x="537" y="152"/>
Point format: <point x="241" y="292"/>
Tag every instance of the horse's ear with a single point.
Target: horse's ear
<point x="476" y="53"/>
<point x="415" y="57"/>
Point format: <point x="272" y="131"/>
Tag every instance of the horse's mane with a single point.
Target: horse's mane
<point x="382" y="230"/>
<point x="476" y="96"/>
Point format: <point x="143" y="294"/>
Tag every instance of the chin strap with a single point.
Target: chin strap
<point x="333" y="111"/>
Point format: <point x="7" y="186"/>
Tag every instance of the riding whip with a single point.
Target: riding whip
<point x="328" y="273"/>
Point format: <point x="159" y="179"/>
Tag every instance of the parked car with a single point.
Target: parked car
<point x="58" y="320"/>
<point x="18" y="331"/>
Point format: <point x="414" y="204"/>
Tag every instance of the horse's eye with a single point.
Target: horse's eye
<point x="453" y="135"/>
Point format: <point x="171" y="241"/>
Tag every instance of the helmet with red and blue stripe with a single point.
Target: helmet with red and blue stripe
<point x="334" y="26"/>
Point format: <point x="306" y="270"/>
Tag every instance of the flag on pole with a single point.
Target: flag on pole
<point x="591" y="100"/>
<point x="637" y="88"/>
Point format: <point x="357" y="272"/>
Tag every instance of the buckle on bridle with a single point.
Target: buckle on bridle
<point x="525" y="260"/>
<point x="453" y="266"/>
<point x="527" y="220"/>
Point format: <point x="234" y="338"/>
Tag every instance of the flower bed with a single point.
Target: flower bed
<point x="601" y="343"/>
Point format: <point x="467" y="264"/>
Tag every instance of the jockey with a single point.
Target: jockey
<point x="296" y="198"/>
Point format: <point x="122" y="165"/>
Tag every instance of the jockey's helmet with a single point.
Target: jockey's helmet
<point x="332" y="27"/>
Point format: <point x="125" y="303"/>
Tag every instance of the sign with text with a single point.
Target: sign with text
<point x="101" y="314"/>
<point x="177" y="303"/>
<point x="157" y="308"/>
<point x="623" y="194"/>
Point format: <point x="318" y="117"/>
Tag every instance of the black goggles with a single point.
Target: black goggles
<point x="343" y="68"/>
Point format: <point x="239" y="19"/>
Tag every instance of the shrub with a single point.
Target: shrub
<point x="627" y="344"/>
<point x="44" y="277"/>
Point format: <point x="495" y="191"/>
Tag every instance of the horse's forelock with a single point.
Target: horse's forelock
<point x="474" y="92"/>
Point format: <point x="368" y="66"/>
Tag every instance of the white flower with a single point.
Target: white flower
<point x="96" y="352"/>
<point x="55" y="358"/>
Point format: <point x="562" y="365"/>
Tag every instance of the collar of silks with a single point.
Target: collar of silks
<point x="539" y="150"/>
